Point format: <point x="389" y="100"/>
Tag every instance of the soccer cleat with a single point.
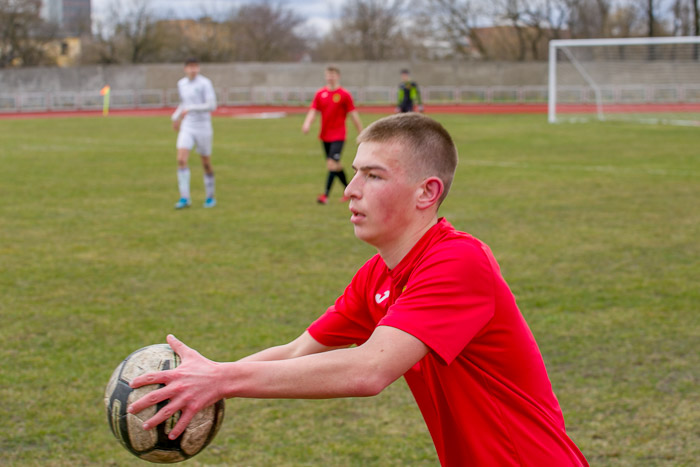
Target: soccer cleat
<point x="210" y="203"/>
<point x="322" y="199"/>
<point x="183" y="203"/>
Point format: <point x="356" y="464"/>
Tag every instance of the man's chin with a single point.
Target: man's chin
<point x="363" y="235"/>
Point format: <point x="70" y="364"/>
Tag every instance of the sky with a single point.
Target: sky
<point x="318" y="13"/>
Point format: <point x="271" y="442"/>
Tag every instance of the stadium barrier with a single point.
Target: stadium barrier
<point x="369" y="95"/>
<point x="262" y="95"/>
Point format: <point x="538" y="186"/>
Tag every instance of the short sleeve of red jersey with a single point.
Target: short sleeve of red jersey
<point x="348" y="321"/>
<point x="349" y="104"/>
<point x="448" y="298"/>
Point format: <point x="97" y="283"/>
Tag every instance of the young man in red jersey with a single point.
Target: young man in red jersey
<point x="431" y="306"/>
<point x="334" y="104"/>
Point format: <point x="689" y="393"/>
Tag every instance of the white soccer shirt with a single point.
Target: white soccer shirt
<point x="199" y="99"/>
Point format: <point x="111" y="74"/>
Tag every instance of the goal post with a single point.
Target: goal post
<point x="654" y="80"/>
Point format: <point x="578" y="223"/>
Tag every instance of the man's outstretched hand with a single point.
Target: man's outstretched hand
<point x="190" y="387"/>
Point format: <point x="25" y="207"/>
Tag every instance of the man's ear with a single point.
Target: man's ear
<point x="430" y="192"/>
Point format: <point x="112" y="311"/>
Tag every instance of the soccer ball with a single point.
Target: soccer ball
<point x="153" y="445"/>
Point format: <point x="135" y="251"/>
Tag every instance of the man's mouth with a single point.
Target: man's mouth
<point x="356" y="215"/>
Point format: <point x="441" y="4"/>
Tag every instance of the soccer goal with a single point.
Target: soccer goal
<point x="653" y="80"/>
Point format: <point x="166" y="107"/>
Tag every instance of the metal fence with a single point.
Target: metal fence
<point x="631" y="94"/>
<point x="259" y="95"/>
<point x="370" y="95"/>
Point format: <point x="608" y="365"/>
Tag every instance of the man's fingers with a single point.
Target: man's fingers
<point x="149" y="399"/>
<point x="156" y="377"/>
<point x="162" y="415"/>
<point x="179" y="348"/>
<point x="182" y="423"/>
<point x="168" y="411"/>
<point x="168" y="392"/>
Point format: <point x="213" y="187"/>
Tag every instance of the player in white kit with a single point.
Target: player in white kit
<point x="192" y="121"/>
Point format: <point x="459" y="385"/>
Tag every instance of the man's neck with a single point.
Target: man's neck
<point x="394" y="253"/>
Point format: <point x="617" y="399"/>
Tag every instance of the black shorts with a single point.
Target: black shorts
<point x="333" y="149"/>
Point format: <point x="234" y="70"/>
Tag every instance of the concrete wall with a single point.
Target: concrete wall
<point x="360" y="74"/>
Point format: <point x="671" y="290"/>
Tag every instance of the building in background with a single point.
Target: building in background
<point x="73" y="17"/>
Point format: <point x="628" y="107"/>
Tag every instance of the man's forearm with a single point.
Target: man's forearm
<point x="340" y="373"/>
<point x="280" y="352"/>
<point x="178" y="111"/>
<point x="302" y="345"/>
<point x="324" y="372"/>
<point x="356" y="120"/>
<point x="208" y="106"/>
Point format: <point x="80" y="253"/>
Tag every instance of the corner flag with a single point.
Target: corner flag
<point x="105" y="99"/>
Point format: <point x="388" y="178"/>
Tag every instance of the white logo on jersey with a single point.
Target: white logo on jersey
<point x="380" y="298"/>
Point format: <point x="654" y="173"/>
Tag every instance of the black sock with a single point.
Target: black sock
<point x="341" y="175"/>
<point x="329" y="181"/>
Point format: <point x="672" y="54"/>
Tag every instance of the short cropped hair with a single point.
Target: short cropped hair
<point x="333" y="68"/>
<point x="191" y="61"/>
<point x="430" y="147"/>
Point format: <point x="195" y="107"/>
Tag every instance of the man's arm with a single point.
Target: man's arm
<point x="355" y="116"/>
<point x="310" y="117"/>
<point x="399" y="98"/>
<point x="209" y="104"/>
<point x="419" y="100"/>
<point x="177" y="116"/>
<point x="348" y="372"/>
<point x="178" y="112"/>
<point x="302" y="345"/>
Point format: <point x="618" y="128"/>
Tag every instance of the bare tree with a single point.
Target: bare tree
<point x="624" y="21"/>
<point x="512" y="12"/>
<point x="556" y="13"/>
<point x="456" y="21"/>
<point x="24" y="34"/>
<point x="367" y="30"/>
<point x="137" y="32"/>
<point x="100" y="48"/>
<point x="206" y="39"/>
<point x="683" y="19"/>
<point x="266" y="31"/>
<point x="539" y="18"/>
<point x="589" y="18"/>
<point x="651" y="17"/>
<point x="129" y="35"/>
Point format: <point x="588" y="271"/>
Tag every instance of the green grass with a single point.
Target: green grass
<point x="595" y="226"/>
<point x="672" y="118"/>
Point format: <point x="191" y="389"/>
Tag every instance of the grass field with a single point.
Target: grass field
<point x="596" y="228"/>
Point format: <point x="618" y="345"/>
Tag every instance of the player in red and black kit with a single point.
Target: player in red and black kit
<point x="431" y="306"/>
<point x="334" y="104"/>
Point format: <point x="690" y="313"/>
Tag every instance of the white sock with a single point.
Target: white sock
<point x="183" y="182"/>
<point x="209" y="185"/>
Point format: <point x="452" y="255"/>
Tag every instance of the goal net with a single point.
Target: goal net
<point x="653" y="80"/>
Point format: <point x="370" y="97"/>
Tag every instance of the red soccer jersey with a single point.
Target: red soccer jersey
<point x="334" y="107"/>
<point x="483" y="388"/>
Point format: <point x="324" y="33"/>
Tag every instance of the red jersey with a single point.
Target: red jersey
<point x="334" y="107"/>
<point x="482" y="388"/>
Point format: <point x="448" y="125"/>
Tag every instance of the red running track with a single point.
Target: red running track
<point x="270" y="111"/>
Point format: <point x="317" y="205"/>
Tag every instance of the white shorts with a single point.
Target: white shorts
<point x="189" y="139"/>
